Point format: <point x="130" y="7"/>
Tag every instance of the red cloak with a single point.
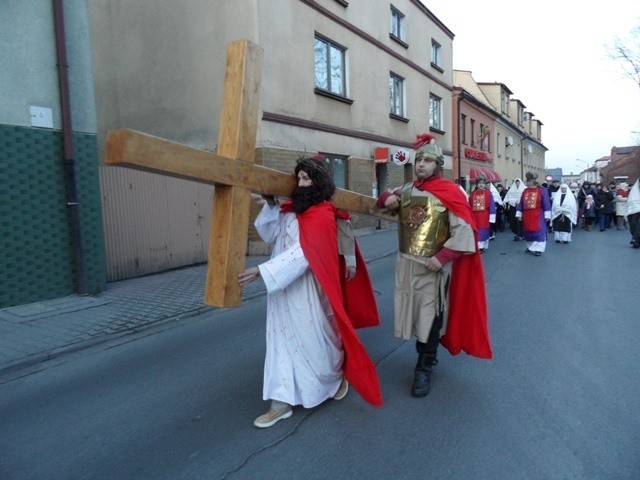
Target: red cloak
<point x="319" y="242"/>
<point x="467" y="327"/>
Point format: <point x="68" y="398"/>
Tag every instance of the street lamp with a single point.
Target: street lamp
<point x="586" y="163"/>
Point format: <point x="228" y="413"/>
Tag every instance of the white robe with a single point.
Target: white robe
<point x="303" y="361"/>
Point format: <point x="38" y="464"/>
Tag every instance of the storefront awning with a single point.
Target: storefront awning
<point x="489" y="174"/>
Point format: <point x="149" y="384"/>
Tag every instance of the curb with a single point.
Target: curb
<point x="15" y="366"/>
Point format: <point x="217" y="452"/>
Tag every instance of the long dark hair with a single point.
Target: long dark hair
<point x="322" y="185"/>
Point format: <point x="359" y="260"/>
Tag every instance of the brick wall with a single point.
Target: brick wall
<point x="622" y="165"/>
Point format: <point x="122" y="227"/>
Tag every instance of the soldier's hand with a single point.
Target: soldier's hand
<point x="350" y="273"/>
<point x="392" y="202"/>
<point x="432" y="264"/>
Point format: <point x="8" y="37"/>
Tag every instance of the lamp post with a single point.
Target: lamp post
<point x="584" y="173"/>
<point x="582" y="161"/>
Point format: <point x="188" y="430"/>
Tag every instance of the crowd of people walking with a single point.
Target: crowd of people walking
<point x="531" y="210"/>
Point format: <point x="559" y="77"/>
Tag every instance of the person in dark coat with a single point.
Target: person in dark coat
<point x="604" y="206"/>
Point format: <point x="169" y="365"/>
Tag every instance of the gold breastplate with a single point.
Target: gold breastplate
<point x="424" y="223"/>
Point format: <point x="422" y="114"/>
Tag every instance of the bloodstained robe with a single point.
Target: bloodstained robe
<point x="534" y="208"/>
<point x="311" y="341"/>
<point x="484" y="213"/>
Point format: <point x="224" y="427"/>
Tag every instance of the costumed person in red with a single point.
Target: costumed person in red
<point x="484" y="211"/>
<point x="439" y="292"/>
<point x="534" y="211"/>
<point x="318" y="292"/>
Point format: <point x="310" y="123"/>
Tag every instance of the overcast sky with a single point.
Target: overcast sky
<point x="552" y="55"/>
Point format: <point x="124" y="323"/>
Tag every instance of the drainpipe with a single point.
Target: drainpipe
<point x="459" y="142"/>
<point x="67" y="138"/>
<point x="522" y="159"/>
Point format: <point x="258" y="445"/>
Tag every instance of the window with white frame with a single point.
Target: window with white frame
<point x="330" y="66"/>
<point x="436" y="53"/>
<point x="505" y="101"/>
<point x="397" y="24"/>
<point x="396" y="94"/>
<point x="435" y="112"/>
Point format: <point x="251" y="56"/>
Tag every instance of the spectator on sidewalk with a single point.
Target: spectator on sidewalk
<point x="313" y="352"/>
<point x="585" y="189"/>
<point x="613" y="188"/>
<point x="604" y="206"/>
<point x="589" y="214"/>
<point x="501" y="212"/>
<point x="511" y="199"/>
<point x="534" y="210"/>
<point x="564" y="214"/>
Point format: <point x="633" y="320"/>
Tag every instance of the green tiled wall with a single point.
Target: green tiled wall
<point x="37" y="261"/>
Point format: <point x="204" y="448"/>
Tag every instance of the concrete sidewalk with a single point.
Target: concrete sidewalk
<point x="32" y="333"/>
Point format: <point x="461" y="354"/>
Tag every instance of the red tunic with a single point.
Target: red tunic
<point x="480" y="206"/>
<point x="532" y="208"/>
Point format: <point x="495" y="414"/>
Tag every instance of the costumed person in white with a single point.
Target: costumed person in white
<point x="633" y="213"/>
<point x="308" y="330"/>
<point x="564" y="214"/>
<point x="499" y="204"/>
<point x="511" y="199"/>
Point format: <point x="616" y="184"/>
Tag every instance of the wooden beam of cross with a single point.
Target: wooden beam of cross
<point x="231" y="170"/>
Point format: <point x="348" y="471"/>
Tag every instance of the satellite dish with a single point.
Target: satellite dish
<point x="509" y="140"/>
<point x="529" y="149"/>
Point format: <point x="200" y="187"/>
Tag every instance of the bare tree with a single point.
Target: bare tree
<point x="626" y="51"/>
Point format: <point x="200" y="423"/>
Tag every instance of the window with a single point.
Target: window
<point x="435" y="112"/>
<point x="397" y="24"/>
<point x="436" y="53"/>
<point x="505" y="102"/>
<point x="463" y="128"/>
<point x="473" y="128"/>
<point x="396" y="94"/>
<point x="338" y="167"/>
<point x="485" y="137"/>
<point x="330" y="67"/>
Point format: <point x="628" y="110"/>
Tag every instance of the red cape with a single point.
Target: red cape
<point x="319" y="242"/>
<point x="467" y="326"/>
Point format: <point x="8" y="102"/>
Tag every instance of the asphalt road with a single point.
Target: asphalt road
<point x="560" y="400"/>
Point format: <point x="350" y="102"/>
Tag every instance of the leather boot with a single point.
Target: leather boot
<point x="422" y="375"/>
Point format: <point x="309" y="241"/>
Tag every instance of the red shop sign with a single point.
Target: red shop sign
<point x="475" y="154"/>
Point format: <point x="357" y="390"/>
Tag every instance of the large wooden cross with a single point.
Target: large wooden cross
<point x="231" y="170"/>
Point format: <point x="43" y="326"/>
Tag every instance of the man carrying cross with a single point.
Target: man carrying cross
<point x="313" y="352"/>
